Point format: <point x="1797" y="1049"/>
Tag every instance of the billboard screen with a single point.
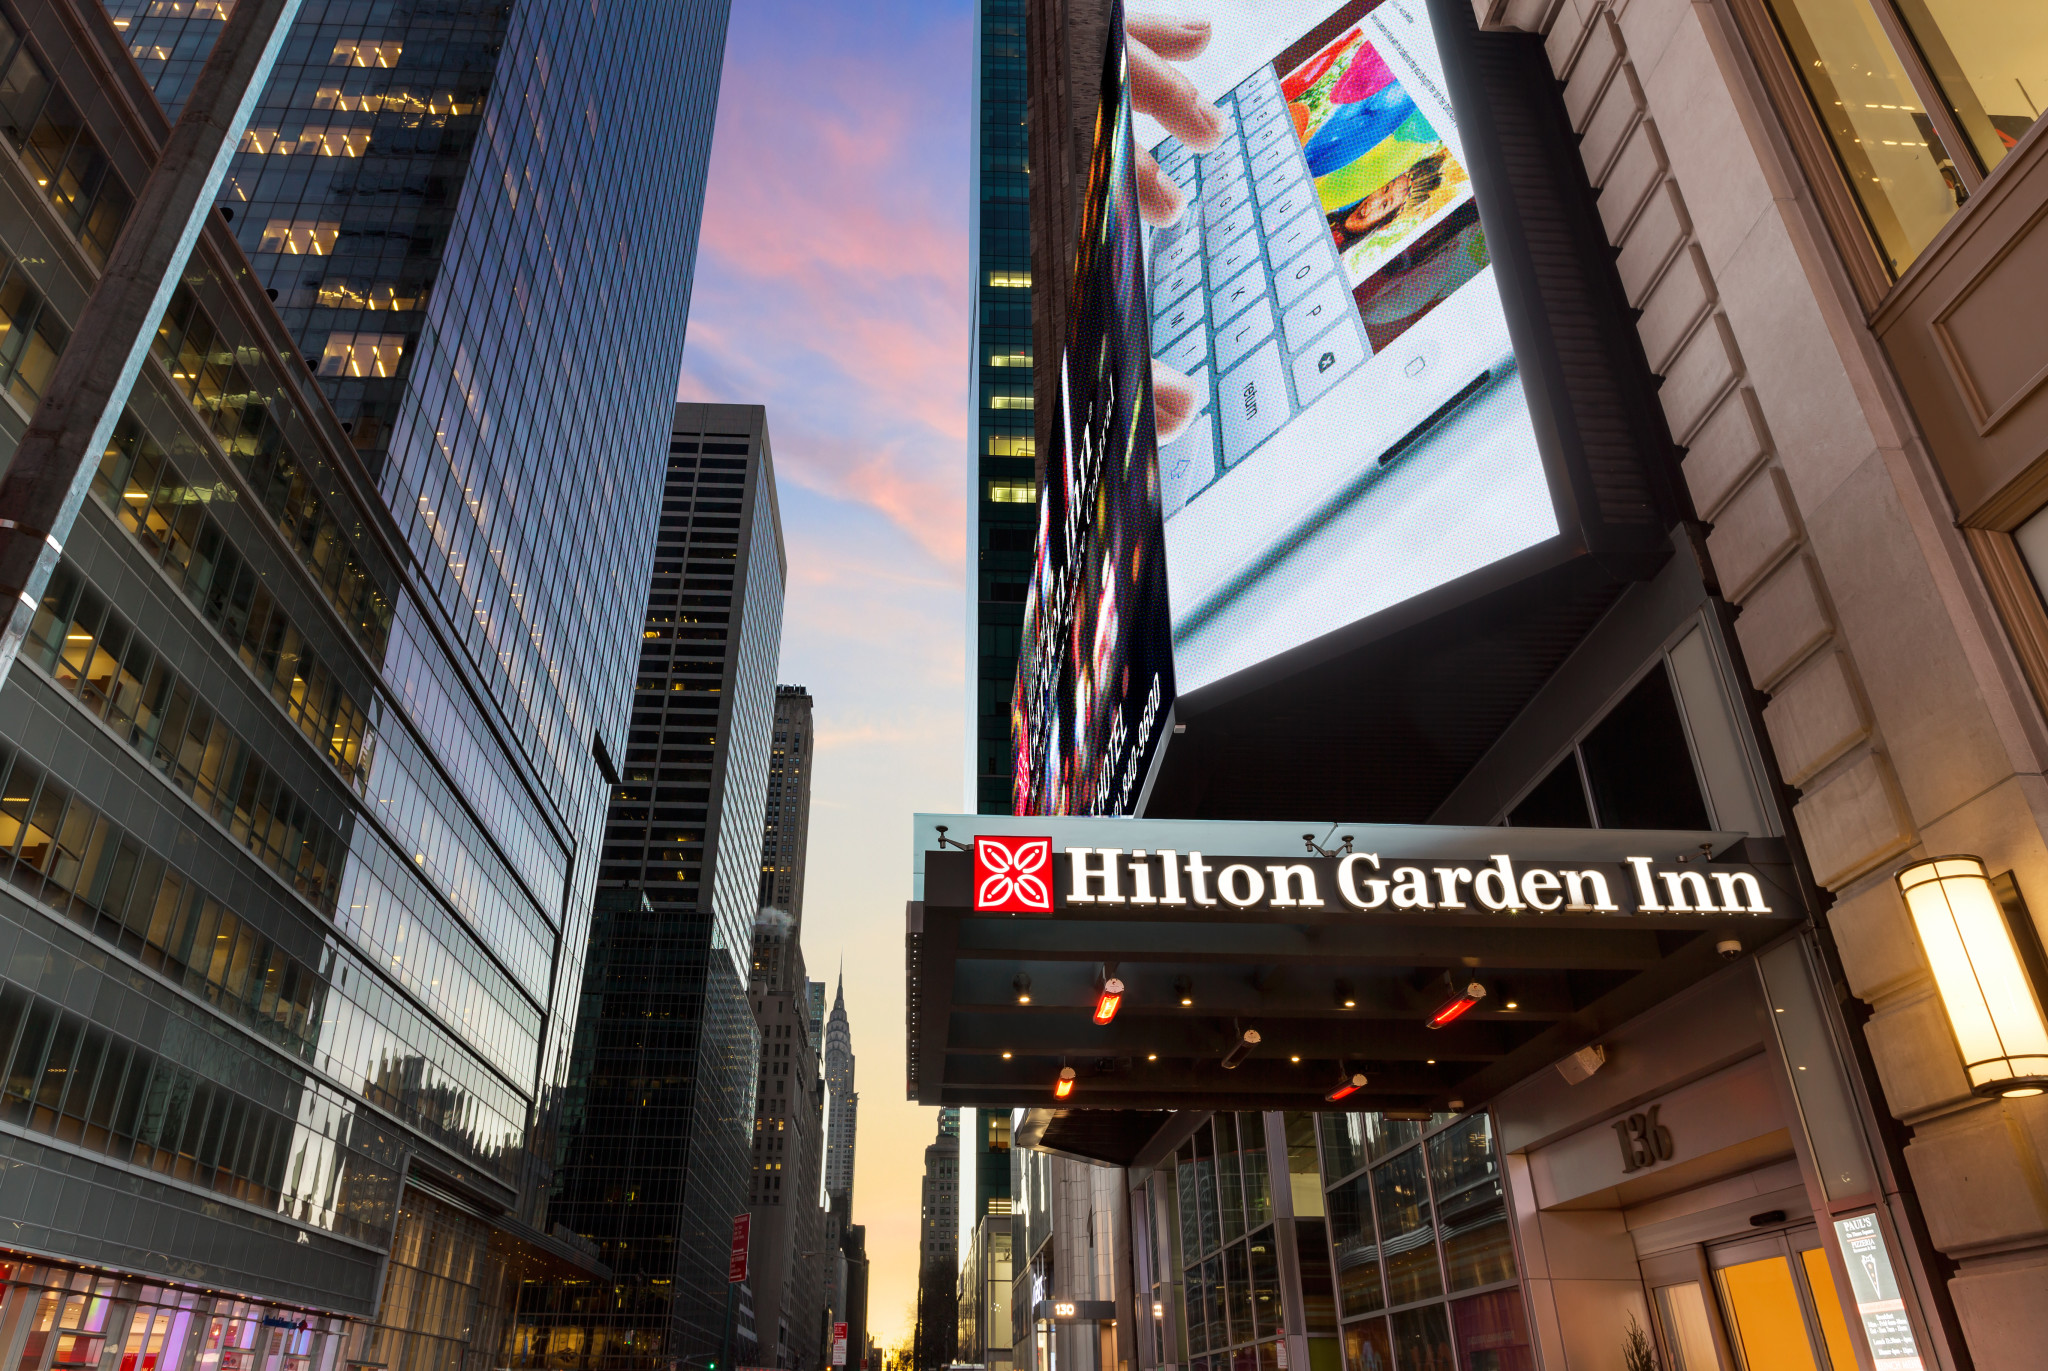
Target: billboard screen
<point x="1095" y="678"/>
<point x="1282" y="215"/>
<point x="1342" y="422"/>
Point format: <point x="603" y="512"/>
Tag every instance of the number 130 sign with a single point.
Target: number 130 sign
<point x="1644" y="1141"/>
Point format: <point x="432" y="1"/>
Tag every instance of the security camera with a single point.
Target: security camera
<point x="1729" y="949"/>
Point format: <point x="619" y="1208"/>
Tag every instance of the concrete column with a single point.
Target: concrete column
<point x="52" y="469"/>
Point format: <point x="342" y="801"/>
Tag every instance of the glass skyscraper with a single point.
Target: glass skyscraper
<point x="1002" y="492"/>
<point x="659" y="1121"/>
<point x="303" y="771"/>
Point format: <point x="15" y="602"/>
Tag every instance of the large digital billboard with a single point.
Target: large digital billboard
<point x="1343" y="426"/>
<point x="1281" y="213"/>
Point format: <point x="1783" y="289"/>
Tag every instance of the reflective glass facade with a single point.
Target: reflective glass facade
<point x="299" y="812"/>
<point x="1380" y="1242"/>
<point x="1002" y="492"/>
<point x="660" y="1117"/>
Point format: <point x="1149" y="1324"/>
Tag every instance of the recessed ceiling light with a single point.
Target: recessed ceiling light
<point x="1151" y="1056"/>
<point x="1296" y="1058"/>
<point x="1511" y="1005"/>
<point x="1006" y="1056"/>
<point x="1430" y="1062"/>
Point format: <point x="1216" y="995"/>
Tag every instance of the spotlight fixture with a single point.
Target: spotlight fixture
<point x="1107" y="999"/>
<point x="1021" y="983"/>
<point x="1241" y="1049"/>
<point x="1064" y="1086"/>
<point x="1184" y="991"/>
<point x="1350" y="1085"/>
<point x="1455" y="1007"/>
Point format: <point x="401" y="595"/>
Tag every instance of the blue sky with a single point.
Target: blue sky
<point x="832" y="287"/>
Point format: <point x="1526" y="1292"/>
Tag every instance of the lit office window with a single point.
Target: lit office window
<point x="362" y="354"/>
<point x="308" y="237"/>
<point x="350" y="53"/>
<point x="1893" y="110"/>
<point x="1008" y="357"/>
<point x="1013" y="492"/>
<point x="1015" y="280"/>
<point x="1012" y="445"/>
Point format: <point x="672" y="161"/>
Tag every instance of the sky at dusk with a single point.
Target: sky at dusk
<point x="832" y="287"/>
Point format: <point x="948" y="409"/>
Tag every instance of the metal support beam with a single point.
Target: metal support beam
<point x="45" y="485"/>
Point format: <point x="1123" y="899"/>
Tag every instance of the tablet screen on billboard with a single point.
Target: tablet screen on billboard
<point x="1340" y="419"/>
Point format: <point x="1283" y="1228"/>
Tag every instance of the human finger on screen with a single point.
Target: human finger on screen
<point x="1153" y="43"/>
<point x="1173" y="402"/>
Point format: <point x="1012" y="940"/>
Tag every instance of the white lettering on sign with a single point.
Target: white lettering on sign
<point x="1113" y="876"/>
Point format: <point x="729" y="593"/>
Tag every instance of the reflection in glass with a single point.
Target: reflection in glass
<point x="1493" y="1332"/>
<point x="1471" y="1205"/>
<point x="1205" y="1173"/>
<point x="1896" y="163"/>
<point x="1343" y="1143"/>
<point x="1265" y="1284"/>
<point x="1304" y="1172"/>
<point x="1237" y="1292"/>
<point x="1683" y="1311"/>
<point x="1258" y="1186"/>
<point x="1365" y="1346"/>
<point x="1231" y="1199"/>
<point x="1358" y="1254"/>
<point x="1190" y="1207"/>
<point x="1212" y="1303"/>
<point x="1991" y="59"/>
<point x="1422" y="1339"/>
<point x="1407" y="1229"/>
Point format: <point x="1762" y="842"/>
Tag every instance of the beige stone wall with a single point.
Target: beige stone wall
<point x="1896" y="705"/>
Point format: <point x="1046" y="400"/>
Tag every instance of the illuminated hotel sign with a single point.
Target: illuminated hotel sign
<point x="1024" y="875"/>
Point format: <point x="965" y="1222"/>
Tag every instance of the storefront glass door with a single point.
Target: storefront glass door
<point x="1777" y="1296"/>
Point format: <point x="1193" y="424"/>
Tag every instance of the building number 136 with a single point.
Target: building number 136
<point x="1644" y="1141"/>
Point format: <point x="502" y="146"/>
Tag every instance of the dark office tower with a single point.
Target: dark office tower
<point x="936" y="1336"/>
<point x="662" y="1084"/>
<point x="790" y="1233"/>
<point x="841" y="1127"/>
<point x="296" y="768"/>
<point x="789" y="807"/>
<point x="1002" y="492"/>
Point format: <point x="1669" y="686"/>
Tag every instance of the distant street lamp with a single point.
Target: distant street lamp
<point x="1992" y="1006"/>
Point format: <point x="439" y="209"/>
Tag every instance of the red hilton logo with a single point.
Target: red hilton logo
<point x="1013" y="875"/>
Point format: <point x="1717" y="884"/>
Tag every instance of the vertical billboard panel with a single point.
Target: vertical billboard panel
<point x="1095" y="677"/>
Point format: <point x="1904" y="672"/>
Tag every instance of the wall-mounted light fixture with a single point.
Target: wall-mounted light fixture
<point x="1064" y="1086"/>
<point x="1992" y="1006"/>
<point x="1241" y="1049"/>
<point x="1462" y="999"/>
<point x="1107" y="999"/>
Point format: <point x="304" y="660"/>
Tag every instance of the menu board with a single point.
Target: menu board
<point x="1886" y="1328"/>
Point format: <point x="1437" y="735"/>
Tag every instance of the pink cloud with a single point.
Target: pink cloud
<point x="832" y="280"/>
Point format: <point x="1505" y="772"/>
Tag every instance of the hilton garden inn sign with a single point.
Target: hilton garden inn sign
<point x="1026" y="875"/>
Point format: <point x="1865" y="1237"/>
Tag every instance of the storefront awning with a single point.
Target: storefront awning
<point x="1302" y="960"/>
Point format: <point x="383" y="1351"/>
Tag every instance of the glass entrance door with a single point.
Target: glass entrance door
<point x="1778" y="1296"/>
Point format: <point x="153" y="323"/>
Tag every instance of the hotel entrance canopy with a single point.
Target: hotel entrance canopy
<point x="1303" y="955"/>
